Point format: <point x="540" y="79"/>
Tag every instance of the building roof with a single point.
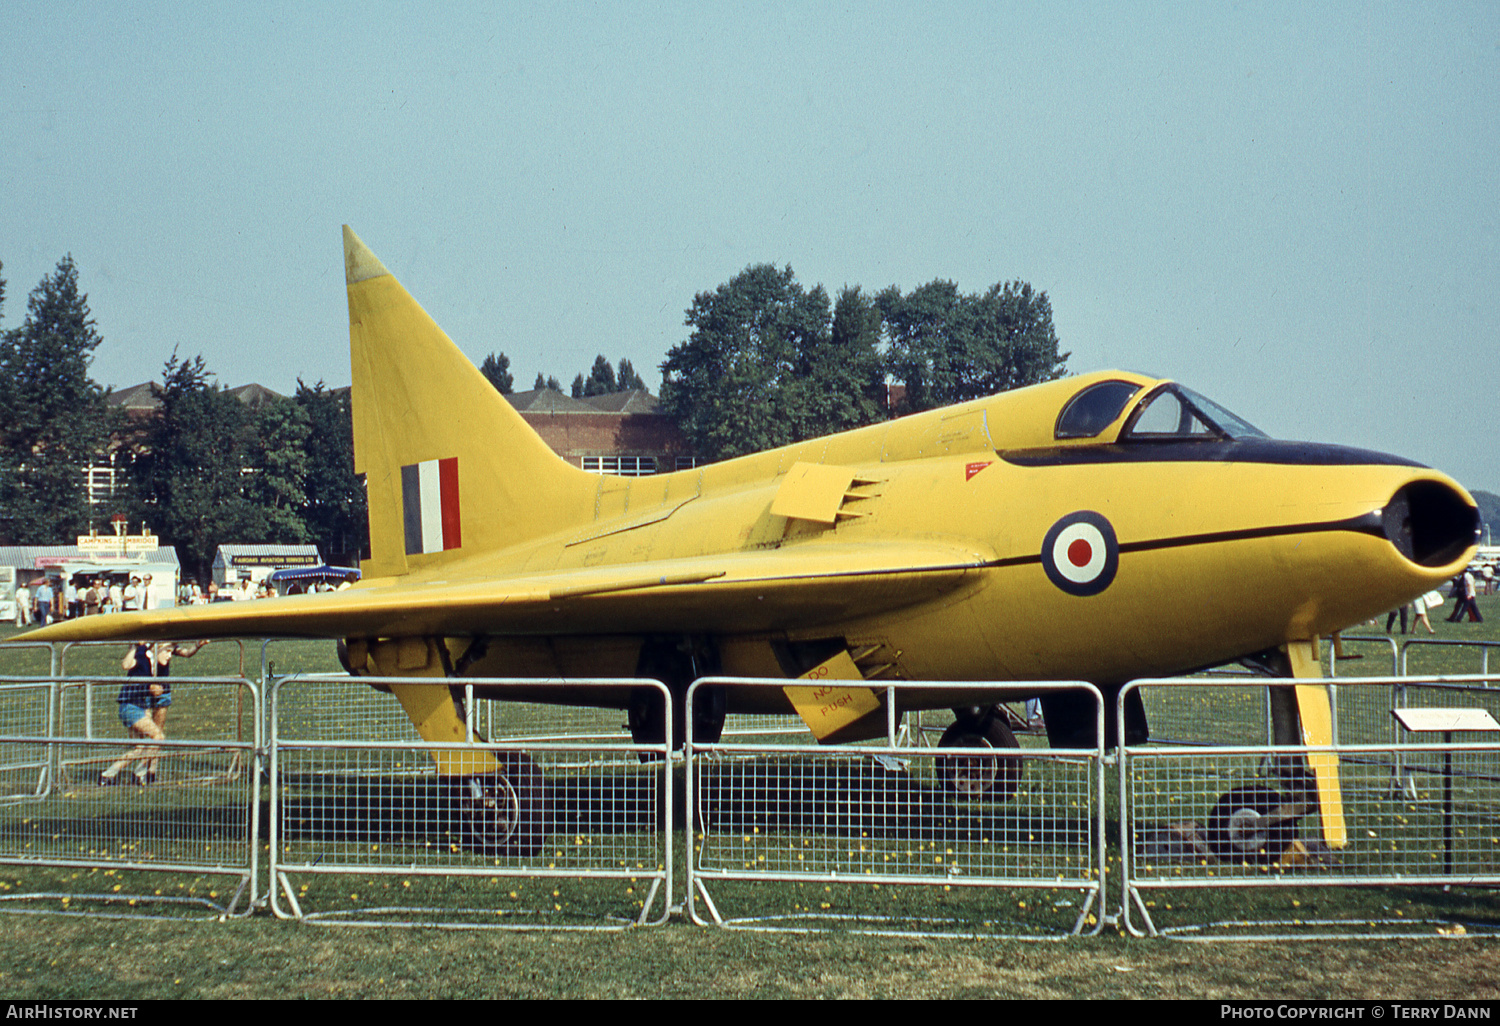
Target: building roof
<point x="255" y="396"/>
<point x="27" y="555"/>
<point x="545" y="400"/>
<point x="635" y="400"/>
<point x="140" y="397"/>
<point x="136" y="397"/>
<point x="268" y="550"/>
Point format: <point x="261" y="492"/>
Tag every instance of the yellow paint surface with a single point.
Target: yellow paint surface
<point x="1315" y="711"/>
<point x="828" y="707"/>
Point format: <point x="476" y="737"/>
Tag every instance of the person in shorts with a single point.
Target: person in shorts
<point x="143" y="704"/>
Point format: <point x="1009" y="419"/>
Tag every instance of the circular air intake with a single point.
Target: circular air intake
<point x="1430" y="523"/>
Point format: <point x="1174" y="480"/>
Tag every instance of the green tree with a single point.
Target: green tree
<point x="756" y="371"/>
<point x="278" y="463"/>
<point x="53" y="418"/>
<point x="842" y="372"/>
<point x="496" y="367"/>
<point x="947" y="347"/>
<point x="335" y="509"/>
<point x="601" y="380"/>
<point x="187" y="473"/>
<point x="626" y="379"/>
<point x="547" y="382"/>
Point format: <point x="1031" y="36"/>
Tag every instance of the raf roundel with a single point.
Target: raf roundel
<point x="1081" y="554"/>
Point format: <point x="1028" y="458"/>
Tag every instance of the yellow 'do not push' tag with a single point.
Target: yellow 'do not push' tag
<point x="827" y="707"/>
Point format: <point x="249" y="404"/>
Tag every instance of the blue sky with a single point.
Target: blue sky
<point x="1292" y="208"/>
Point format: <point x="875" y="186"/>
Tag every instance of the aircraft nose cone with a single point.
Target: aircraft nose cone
<point x="1430" y="523"/>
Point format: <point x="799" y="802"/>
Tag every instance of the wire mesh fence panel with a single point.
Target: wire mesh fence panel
<point x="1443" y="657"/>
<point x="745" y="726"/>
<point x="1204" y="712"/>
<point x="25" y="767"/>
<point x="26" y="659"/>
<point x="1362" y="712"/>
<point x="218" y="709"/>
<point x="1414" y="761"/>
<point x="217" y="658"/>
<point x="1358" y="655"/>
<point x="340" y="707"/>
<point x="522" y="720"/>
<point x="1424" y="811"/>
<point x="893" y="838"/>
<point x="550" y="831"/>
<point x="123" y="810"/>
<point x="1199" y="711"/>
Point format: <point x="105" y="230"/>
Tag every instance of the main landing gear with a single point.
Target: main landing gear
<point x="676" y="662"/>
<point x="495" y="800"/>
<point x="995" y="777"/>
<point x="502" y="810"/>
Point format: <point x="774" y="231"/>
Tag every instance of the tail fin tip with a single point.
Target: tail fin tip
<point x="359" y="263"/>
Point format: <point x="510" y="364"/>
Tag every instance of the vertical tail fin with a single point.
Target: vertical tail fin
<point x="450" y="467"/>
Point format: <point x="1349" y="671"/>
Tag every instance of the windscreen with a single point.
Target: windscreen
<point x="1177" y="413"/>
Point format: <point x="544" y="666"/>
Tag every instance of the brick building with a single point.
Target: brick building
<point x="621" y="433"/>
<point x="104" y="476"/>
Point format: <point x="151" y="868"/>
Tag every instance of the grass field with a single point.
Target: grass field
<point x="61" y="956"/>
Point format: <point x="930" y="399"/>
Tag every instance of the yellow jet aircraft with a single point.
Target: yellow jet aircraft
<point x="1103" y="527"/>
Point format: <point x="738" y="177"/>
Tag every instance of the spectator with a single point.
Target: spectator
<point x="44" y="596"/>
<point x="143" y="703"/>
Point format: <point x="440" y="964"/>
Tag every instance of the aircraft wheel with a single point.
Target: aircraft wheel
<point x="502" y="811"/>
<point x="996" y="777"/>
<point x="1245" y="825"/>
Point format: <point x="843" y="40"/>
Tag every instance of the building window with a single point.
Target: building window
<point x="101" y="483"/>
<point x="623" y="466"/>
<point x="686" y="463"/>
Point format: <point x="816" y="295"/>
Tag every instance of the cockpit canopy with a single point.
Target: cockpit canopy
<point x="1168" y="412"/>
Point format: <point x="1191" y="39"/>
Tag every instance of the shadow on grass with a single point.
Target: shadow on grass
<point x="863" y="798"/>
<point x="844" y="798"/>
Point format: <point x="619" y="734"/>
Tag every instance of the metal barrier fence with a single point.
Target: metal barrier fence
<point x="1438" y="650"/>
<point x="1374" y="655"/>
<point x="27" y="771"/>
<point x="185" y="806"/>
<point x="549" y="821"/>
<point x="67" y="654"/>
<point x="887" y="838"/>
<point x="30" y="658"/>
<point x="1203" y="711"/>
<point x="1474" y="692"/>
<point x="862" y="838"/>
<point x="1223" y="820"/>
<point x="1197" y="712"/>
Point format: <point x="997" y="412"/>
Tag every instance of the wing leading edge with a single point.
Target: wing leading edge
<point x="741" y="592"/>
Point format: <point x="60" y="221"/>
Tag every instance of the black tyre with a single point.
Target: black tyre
<point x="995" y="777"/>
<point x="1249" y="824"/>
<point x="503" y="811"/>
